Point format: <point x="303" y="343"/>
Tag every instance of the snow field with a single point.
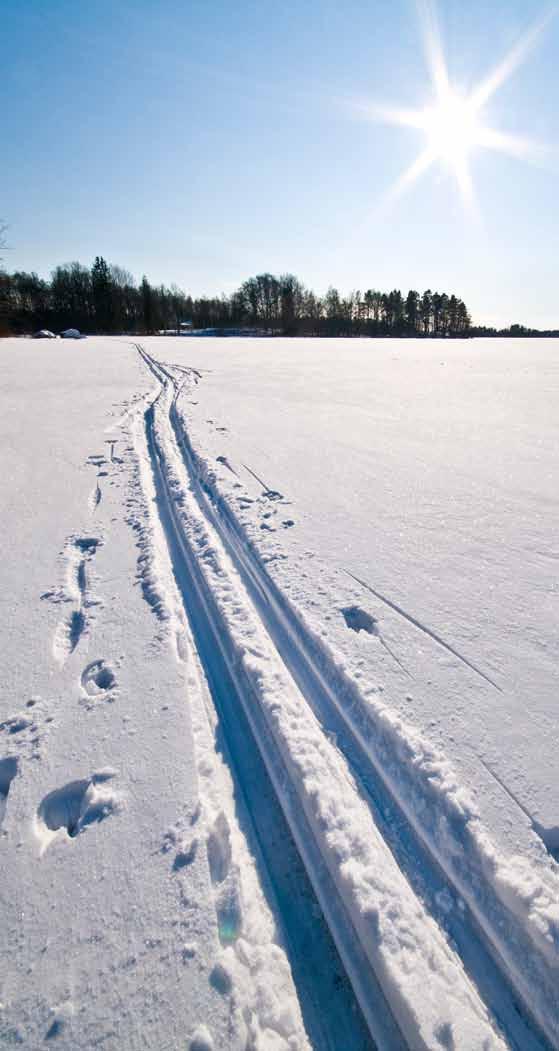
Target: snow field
<point x="270" y="768"/>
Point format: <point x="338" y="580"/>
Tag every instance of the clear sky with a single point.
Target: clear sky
<point x="202" y="141"/>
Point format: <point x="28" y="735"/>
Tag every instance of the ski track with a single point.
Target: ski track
<point x="249" y="874"/>
<point x="448" y="994"/>
<point x="326" y="998"/>
<point x="508" y="928"/>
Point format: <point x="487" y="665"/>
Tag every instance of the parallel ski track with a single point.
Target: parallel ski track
<point x="481" y="957"/>
<point x="372" y="1014"/>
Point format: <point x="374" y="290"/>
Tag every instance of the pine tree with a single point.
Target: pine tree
<point x="101" y="289"/>
<point x="426" y="311"/>
<point x="147" y="304"/>
<point x="412" y="311"/>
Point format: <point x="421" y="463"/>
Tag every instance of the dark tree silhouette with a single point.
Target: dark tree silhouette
<point x="105" y="298"/>
<point x="101" y="286"/>
<point x="147" y="305"/>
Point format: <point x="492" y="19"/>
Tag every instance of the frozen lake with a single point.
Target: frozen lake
<point x="278" y="733"/>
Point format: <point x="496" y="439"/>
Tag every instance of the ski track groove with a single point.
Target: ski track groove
<point x="483" y="962"/>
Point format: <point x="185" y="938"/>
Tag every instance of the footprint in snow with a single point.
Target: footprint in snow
<point x="15" y="724"/>
<point x="61" y="1015"/>
<point x="185" y="848"/>
<point x="74" y="807"/>
<point x="201" y="1040"/>
<point x="224" y="879"/>
<point x="8" y="770"/>
<point x="219" y="849"/>
<point x="185" y="855"/>
<point x="221" y="980"/>
<point x="359" y="620"/>
<point x="77" y="555"/>
<point x="28" y="727"/>
<point x="95" y="497"/>
<point x="97" y="678"/>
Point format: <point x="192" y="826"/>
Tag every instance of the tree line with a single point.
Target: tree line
<point x="514" y="331"/>
<point x="105" y="298"/>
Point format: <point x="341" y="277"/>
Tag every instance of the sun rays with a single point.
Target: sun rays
<point x="453" y="122"/>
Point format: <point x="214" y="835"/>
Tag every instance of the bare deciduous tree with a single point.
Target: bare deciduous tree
<point x="3" y="242"/>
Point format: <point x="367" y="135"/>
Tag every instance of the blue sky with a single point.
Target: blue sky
<point x="203" y="142"/>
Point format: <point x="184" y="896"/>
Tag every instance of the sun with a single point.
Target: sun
<point x="452" y="124"/>
<point x="452" y="128"/>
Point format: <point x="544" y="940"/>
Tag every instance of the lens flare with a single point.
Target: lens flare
<point x="452" y="123"/>
<point x="452" y="128"/>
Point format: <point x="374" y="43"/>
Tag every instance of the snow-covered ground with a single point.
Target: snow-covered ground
<point x="278" y="732"/>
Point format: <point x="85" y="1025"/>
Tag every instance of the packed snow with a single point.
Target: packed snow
<point x="278" y="734"/>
